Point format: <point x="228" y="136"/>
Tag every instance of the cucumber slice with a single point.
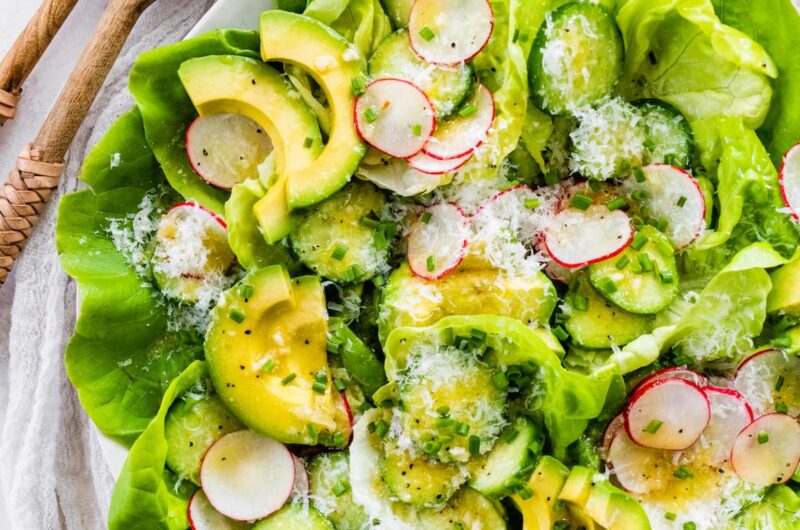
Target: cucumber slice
<point x="594" y="322"/>
<point x="669" y="138"/>
<point x="191" y="427"/>
<point x="576" y="57"/>
<point x="418" y="481"/>
<point x="509" y="464"/>
<point x="341" y="238"/>
<point x="468" y="509"/>
<point x="629" y="284"/>
<point x="329" y="488"/>
<point x="398" y="11"/>
<point x="446" y="88"/>
<point x="294" y="517"/>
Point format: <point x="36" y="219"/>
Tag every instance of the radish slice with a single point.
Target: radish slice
<point x="674" y="195"/>
<point x="614" y="426"/>
<point x="438" y="241"/>
<point x="460" y="136"/>
<point x="730" y="413"/>
<point x="575" y="238"/>
<point x="203" y="516"/>
<point x="394" y="174"/>
<point x="448" y="32"/>
<point x="226" y="149"/>
<point x="425" y="163"/>
<point x="395" y="117"/>
<point x="667" y="414"/>
<point x="557" y="272"/>
<point x="673" y="372"/>
<point x="768" y="450"/>
<point x="300" y="489"/>
<point x="247" y="476"/>
<point x="639" y="469"/>
<point x="770" y="380"/>
<point x="344" y="404"/>
<point x="790" y="180"/>
<point x="199" y="212"/>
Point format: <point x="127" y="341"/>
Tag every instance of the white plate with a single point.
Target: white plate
<point x="241" y="14"/>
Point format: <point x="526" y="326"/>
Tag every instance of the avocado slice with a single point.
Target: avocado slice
<point x="221" y="83"/>
<point x="266" y="349"/>
<point x="334" y="63"/>
<point x="785" y="294"/>
<point x="578" y="486"/>
<point x="547" y="480"/>
<point x="611" y="507"/>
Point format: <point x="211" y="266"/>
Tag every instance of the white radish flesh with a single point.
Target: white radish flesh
<point x="767" y="451"/>
<point x="300" y="489"/>
<point x="770" y="380"/>
<point x="674" y="195"/>
<point x="437" y="242"/>
<point x="395" y="117"/>
<point x="613" y="427"/>
<point x="575" y="238"/>
<point x="425" y="163"/>
<point x="463" y="134"/>
<point x="448" y="32"/>
<point x="247" y="476"/>
<point x="226" y="149"/>
<point x="203" y="516"/>
<point x="667" y="414"/>
<point x="730" y="413"/>
<point x="790" y="180"/>
<point x="639" y="469"/>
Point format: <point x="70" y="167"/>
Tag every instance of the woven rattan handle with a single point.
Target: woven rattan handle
<point x="23" y="197"/>
<point x="26" y="51"/>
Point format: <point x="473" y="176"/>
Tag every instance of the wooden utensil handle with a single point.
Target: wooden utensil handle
<point x="31" y="183"/>
<point x="26" y="51"/>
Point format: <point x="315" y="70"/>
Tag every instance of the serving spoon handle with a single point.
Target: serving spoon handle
<point x="39" y="166"/>
<point x="26" y="51"/>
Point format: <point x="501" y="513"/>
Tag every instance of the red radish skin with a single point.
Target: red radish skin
<point x="789" y="179"/>
<point x="202" y="515"/>
<point x="425" y="163"/>
<point x="300" y="489"/>
<point x="345" y="404"/>
<point x="220" y="221"/>
<point x="450" y="225"/>
<point x="561" y="236"/>
<point x="399" y="106"/>
<point x="679" y="372"/>
<point x="460" y="137"/>
<point x="446" y="49"/>
<point x="769" y="377"/>
<point x="773" y="459"/>
<point x="680" y="405"/>
<point x="730" y="413"/>
<point x="247" y="476"/>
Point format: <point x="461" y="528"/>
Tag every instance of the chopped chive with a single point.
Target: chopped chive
<point x="617" y="204"/>
<point x="432" y="447"/>
<point x="288" y="379"/>
<point x="515" y="38"/>
<point x="461" y="429"/>
<point x="359" y="85"/>
<point x="510" y="435"/>
<point x="683" y="473"/>
<point x="426" y="218"/>
<point x="763" y="437"/>
<point x="268" y="366"/>
<point x="653" y="426"/>
<point x="308" y="143"/>
<point x="594" y="185"/>
<point x="353" y="273"/>
<point x="370" y="115"/>
<point x="681" y="201"/>
<point x="311" y="430"/>
<point x="319" y="388"/>
<point x="645" y="262"/>
<point x="444" y="410"/>
<point x="781" y="407"/>
<point x="237" y="315"/>
<point x="560" y="333"/>
<point x="478" y="334"/>
<point x="321" y="376"/>
<point x="339" y="252"/>
<point x="427" y="33"/>
<point x="581" y="201"/>
<point x="431" y="263"/>
<point x="639" y="241"/>
<point x="525" y="493"/>
<point x="340" y="385"/>
<point x="779" y="383"/>
<point x="666" y="276"/>
<point x="689" y="526"/>
<point x="608" y="286"/>
<point x="245" y="290"/>
<point x="468" y="110"/>
<point x="369" y="222"/>
<point x="661" y="224"/>
<point x="441" y="423"/>
<point x="416" y="129"/>
<point x="338" y="439"/>
<point x="379" y="281"/>
<point x="639" y="195"/>
<point x="532" y="203"/>
<point x="649" y="144"/>
<point x="474" y="445"/>
<point x="340" y="488"/>
<point x="669" y="516"/>
<point x="552" y="177"/>
<point x="636" y="221"/>
<point x="670" y="160"/>
<point x="381" y="428"/>
<point x="500" y="380"/>
<point x="638" y="174"/>
<point x="622" y="262"/>
<point x="580" y="302"/>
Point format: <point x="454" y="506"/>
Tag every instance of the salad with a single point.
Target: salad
<point x="462" y="264"/>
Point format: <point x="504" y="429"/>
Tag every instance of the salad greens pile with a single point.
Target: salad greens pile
<point x="549" y="281"/>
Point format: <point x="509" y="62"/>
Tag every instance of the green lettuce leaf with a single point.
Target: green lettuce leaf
<point x="565" y="400"/>
<point x="167" y="109"/>
<point x="146" y="495"/>
<point x="779" y="509"/>
<point x="774" y="24"/>
<point x="121" y="357"/>
<point x="362" y="22"/>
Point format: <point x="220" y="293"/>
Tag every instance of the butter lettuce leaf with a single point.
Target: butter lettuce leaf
<point x="362" y="22"/>
<point x="121" y="357"/>
<point x="779" y="509"/>
<point x="146" y="495"/>
<point x="167" y="110"/>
